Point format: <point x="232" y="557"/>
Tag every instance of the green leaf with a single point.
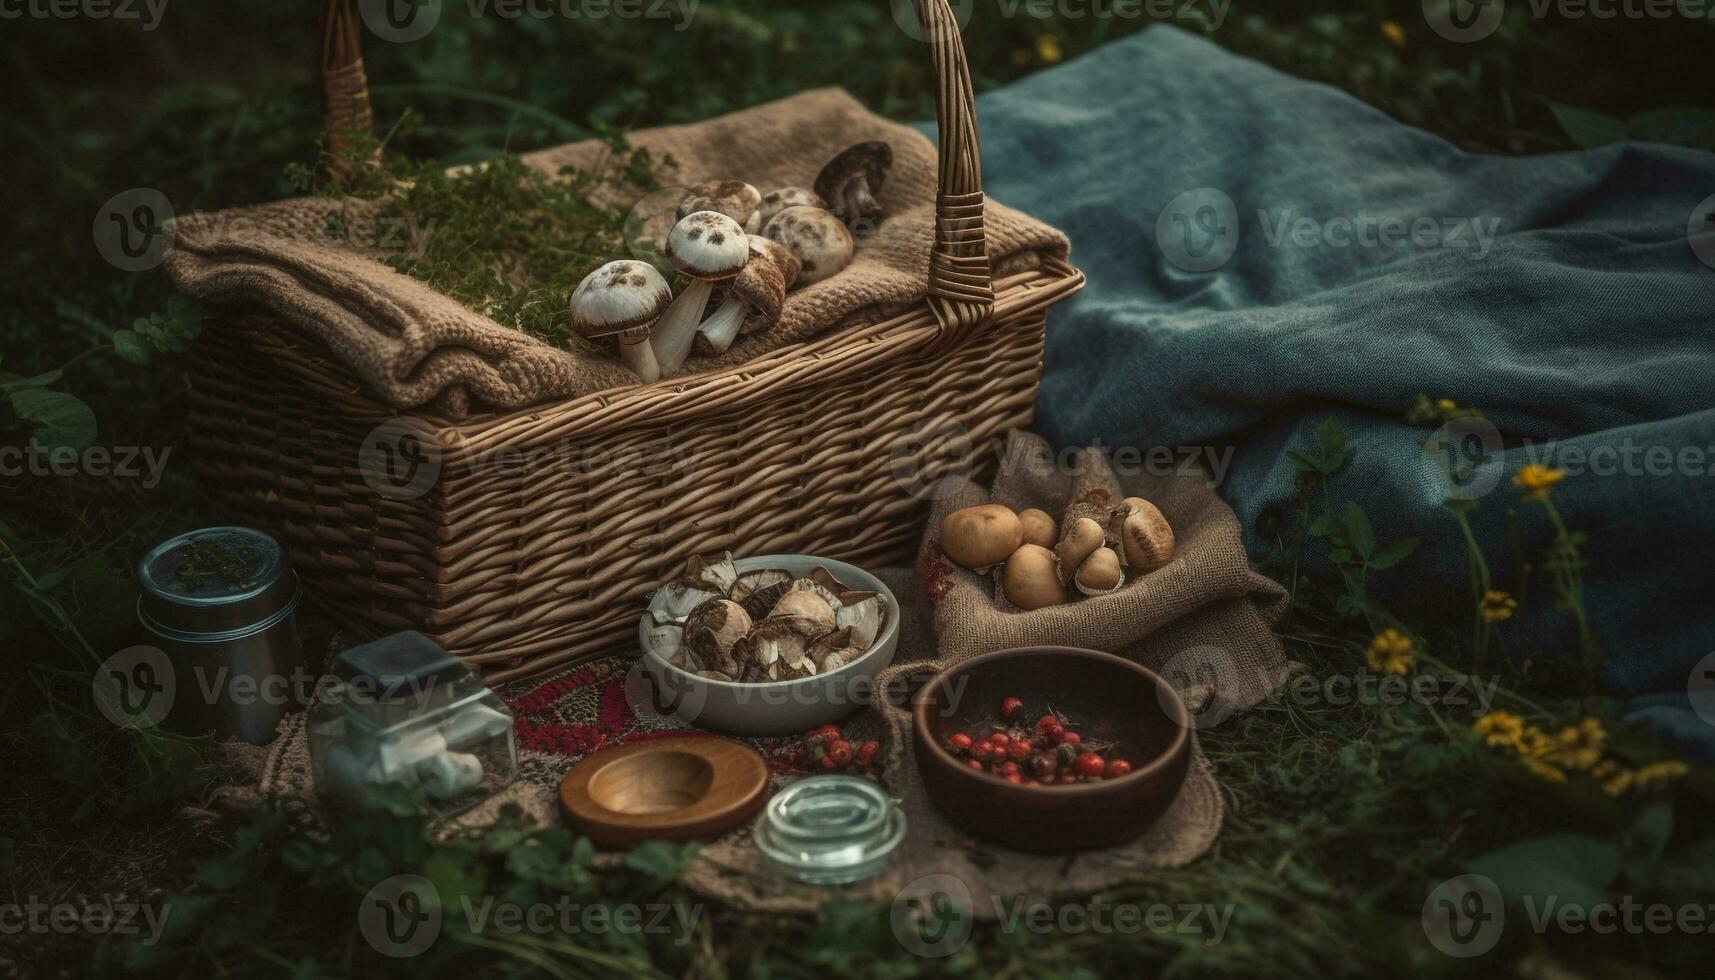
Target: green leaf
<point x="1587" y="127"/>
<point x="1645" y="840"/>
<point x="1394" y="553"/>
<point x="659" y="861"/>
<point x="1330" y="436"/>
<point x="1459" y="503"/>
<point x="1573" y="869"/>
<point x="13" y="382"/>
<point x="130" y="347"/>
<point x="60" y="419"/>
<point x="1304" y="463"/>
<point x="1358" y="532"/>
<point x="1323" y="525"/>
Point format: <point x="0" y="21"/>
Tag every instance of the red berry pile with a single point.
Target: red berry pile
<point x="828" y="749"/>
<point x="1049" y="753"/>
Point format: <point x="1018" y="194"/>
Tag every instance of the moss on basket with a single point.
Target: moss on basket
<point x="504" y="238"/>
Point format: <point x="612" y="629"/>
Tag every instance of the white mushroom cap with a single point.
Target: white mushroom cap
<point x="733" y="198"/>
<point x="621" y="296"/>
<point x="707" y="245"/>
<point x="777" y="201"/>
<point x="820" y="240"/>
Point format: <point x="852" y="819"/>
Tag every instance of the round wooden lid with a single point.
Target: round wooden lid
<point x="663" y="789"/>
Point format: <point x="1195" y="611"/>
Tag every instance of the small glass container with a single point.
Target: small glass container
<point x="403" y="712"/>
<point x="830" y="830"/>
<point x="220" y="603"/>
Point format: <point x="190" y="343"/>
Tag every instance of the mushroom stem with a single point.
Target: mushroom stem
<point x="722" y="326"/>
<point x="678" y="326"/>
<point x="640" y="357"/>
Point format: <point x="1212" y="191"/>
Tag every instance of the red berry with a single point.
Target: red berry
<point x="866" y="751"/>
<point x="1116" y="768"/>
<point x="1010" y="706"/>
<point x="824" y="733"/>
<point x="1043" y="722"/>
<point x="1006" y="769"/>
<point x="1000" y="739"/>
<point x="840" y="753"/>
<point x="1090" y="764"/>
<point x="1019" y="751"/>
<point x="982" y="749"/>
<point x="1068" y="738"/>
<point x="959" y="743"/>
<point x="1013" y="777"/>
<point x="974" y="764"/>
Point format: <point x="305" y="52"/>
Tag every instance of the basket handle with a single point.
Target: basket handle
<point x="961" y="294"/>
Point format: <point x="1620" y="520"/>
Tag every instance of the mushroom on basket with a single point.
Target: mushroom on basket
<point x="776" y="201"/>
<point x="760" y="289"/>
<point x="821" y="243"/>
<point x="851" y="181"/>
<point x="733" y="198"/>
<point x="623" y="297"/>
<point x="708" y="247"/>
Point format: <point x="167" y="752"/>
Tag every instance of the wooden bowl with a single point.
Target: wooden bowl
<point x="1109" y="698"/>
<point x="663" y="789"/>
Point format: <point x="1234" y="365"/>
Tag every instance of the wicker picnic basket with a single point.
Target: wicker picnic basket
<point x="820" y="447"/>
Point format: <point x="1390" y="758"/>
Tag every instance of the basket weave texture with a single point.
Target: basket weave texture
<point x="525" y="538"/>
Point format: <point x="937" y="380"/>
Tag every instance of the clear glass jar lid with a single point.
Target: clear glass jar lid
<point x="830" y="829"/>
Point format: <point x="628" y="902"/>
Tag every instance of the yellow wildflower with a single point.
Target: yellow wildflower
<point x="1393" y="32"/>
<point x="1390" y="652"/>
<point x="1446" y="406"/>
<point x="1615" y="778"/>
<point x="1544" y="770"/>
<point x="1577" y="746"/>
<point x="1500" y="728"/>
<point x="1535" y="480"/>
<point x="1497" y="606"/>
<point x="1048" y="49"/>
<point x="1659" y="772"/>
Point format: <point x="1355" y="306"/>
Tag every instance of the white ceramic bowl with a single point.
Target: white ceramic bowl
<point x="781" y="707"/>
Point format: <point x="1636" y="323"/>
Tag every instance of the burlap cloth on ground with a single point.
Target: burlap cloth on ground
<point x="415" y="347"/>
<point x="1207" y="596"/>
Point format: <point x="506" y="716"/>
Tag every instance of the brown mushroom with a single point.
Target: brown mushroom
<point x="980" y="536"/>
<point x="851" y="181"/>
<point x="1039" y="528"/>
<point x="760" y="289"/>
<point x="733" y="198"/>
<point x="1029" y="580"/>
<point x="1080" y="541"/>
<point x="1100" y="573"/>
<point x="1146" y="538"/>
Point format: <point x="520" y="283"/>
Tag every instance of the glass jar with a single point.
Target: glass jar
<point x="830" y="830"/>
<point x="402" y="712"/>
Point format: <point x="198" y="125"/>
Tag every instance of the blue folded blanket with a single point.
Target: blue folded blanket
<point x="1264" y="252"/>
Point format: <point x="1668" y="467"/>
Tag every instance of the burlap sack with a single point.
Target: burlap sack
<point x="415" y="347"/>
<point x="1182" y="607"/>
<point x="1202" y="621"/>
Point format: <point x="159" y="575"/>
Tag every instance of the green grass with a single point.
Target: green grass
<point x="1339" y="817"/>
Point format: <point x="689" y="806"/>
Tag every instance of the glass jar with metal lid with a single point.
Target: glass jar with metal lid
<point x="402" y="712"/>
<point x="220" y="603"/>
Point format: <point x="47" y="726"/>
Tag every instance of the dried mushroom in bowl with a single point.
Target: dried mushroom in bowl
<point x="760" y="626"/>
